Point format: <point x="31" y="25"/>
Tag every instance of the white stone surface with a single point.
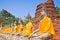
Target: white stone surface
<point x="4" y="36"/>
<point x="8" y="36"/>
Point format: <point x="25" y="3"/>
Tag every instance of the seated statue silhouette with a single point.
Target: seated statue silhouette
<point x="45" y="29"/>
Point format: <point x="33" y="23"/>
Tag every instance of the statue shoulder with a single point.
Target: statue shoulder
<point x="49" y="19"/>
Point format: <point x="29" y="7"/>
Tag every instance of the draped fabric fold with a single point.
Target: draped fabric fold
<point x="28" y="29"/>
<point x="19" y="28"/>
<point x="46" y="25"/>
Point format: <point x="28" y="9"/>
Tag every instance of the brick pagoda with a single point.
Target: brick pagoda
<point x="50" y="8"/>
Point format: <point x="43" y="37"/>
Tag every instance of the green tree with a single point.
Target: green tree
<point x="58" y="9"/>
<point x="6" y="17"/>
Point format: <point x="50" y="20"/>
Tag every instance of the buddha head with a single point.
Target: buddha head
<point x="43" y="11"/>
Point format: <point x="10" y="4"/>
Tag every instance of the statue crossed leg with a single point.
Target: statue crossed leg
<point x="40" y="36"/>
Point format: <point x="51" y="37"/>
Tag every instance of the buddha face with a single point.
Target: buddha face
<point x="42" y="13"/>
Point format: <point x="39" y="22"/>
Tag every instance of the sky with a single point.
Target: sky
<point x="20" y="8"/>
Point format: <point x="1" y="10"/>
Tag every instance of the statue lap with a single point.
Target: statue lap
<point x="40" y="36"/>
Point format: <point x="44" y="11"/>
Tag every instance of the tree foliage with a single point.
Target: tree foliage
<point x="58" y="9"/>
<point x="6" y="17"/>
